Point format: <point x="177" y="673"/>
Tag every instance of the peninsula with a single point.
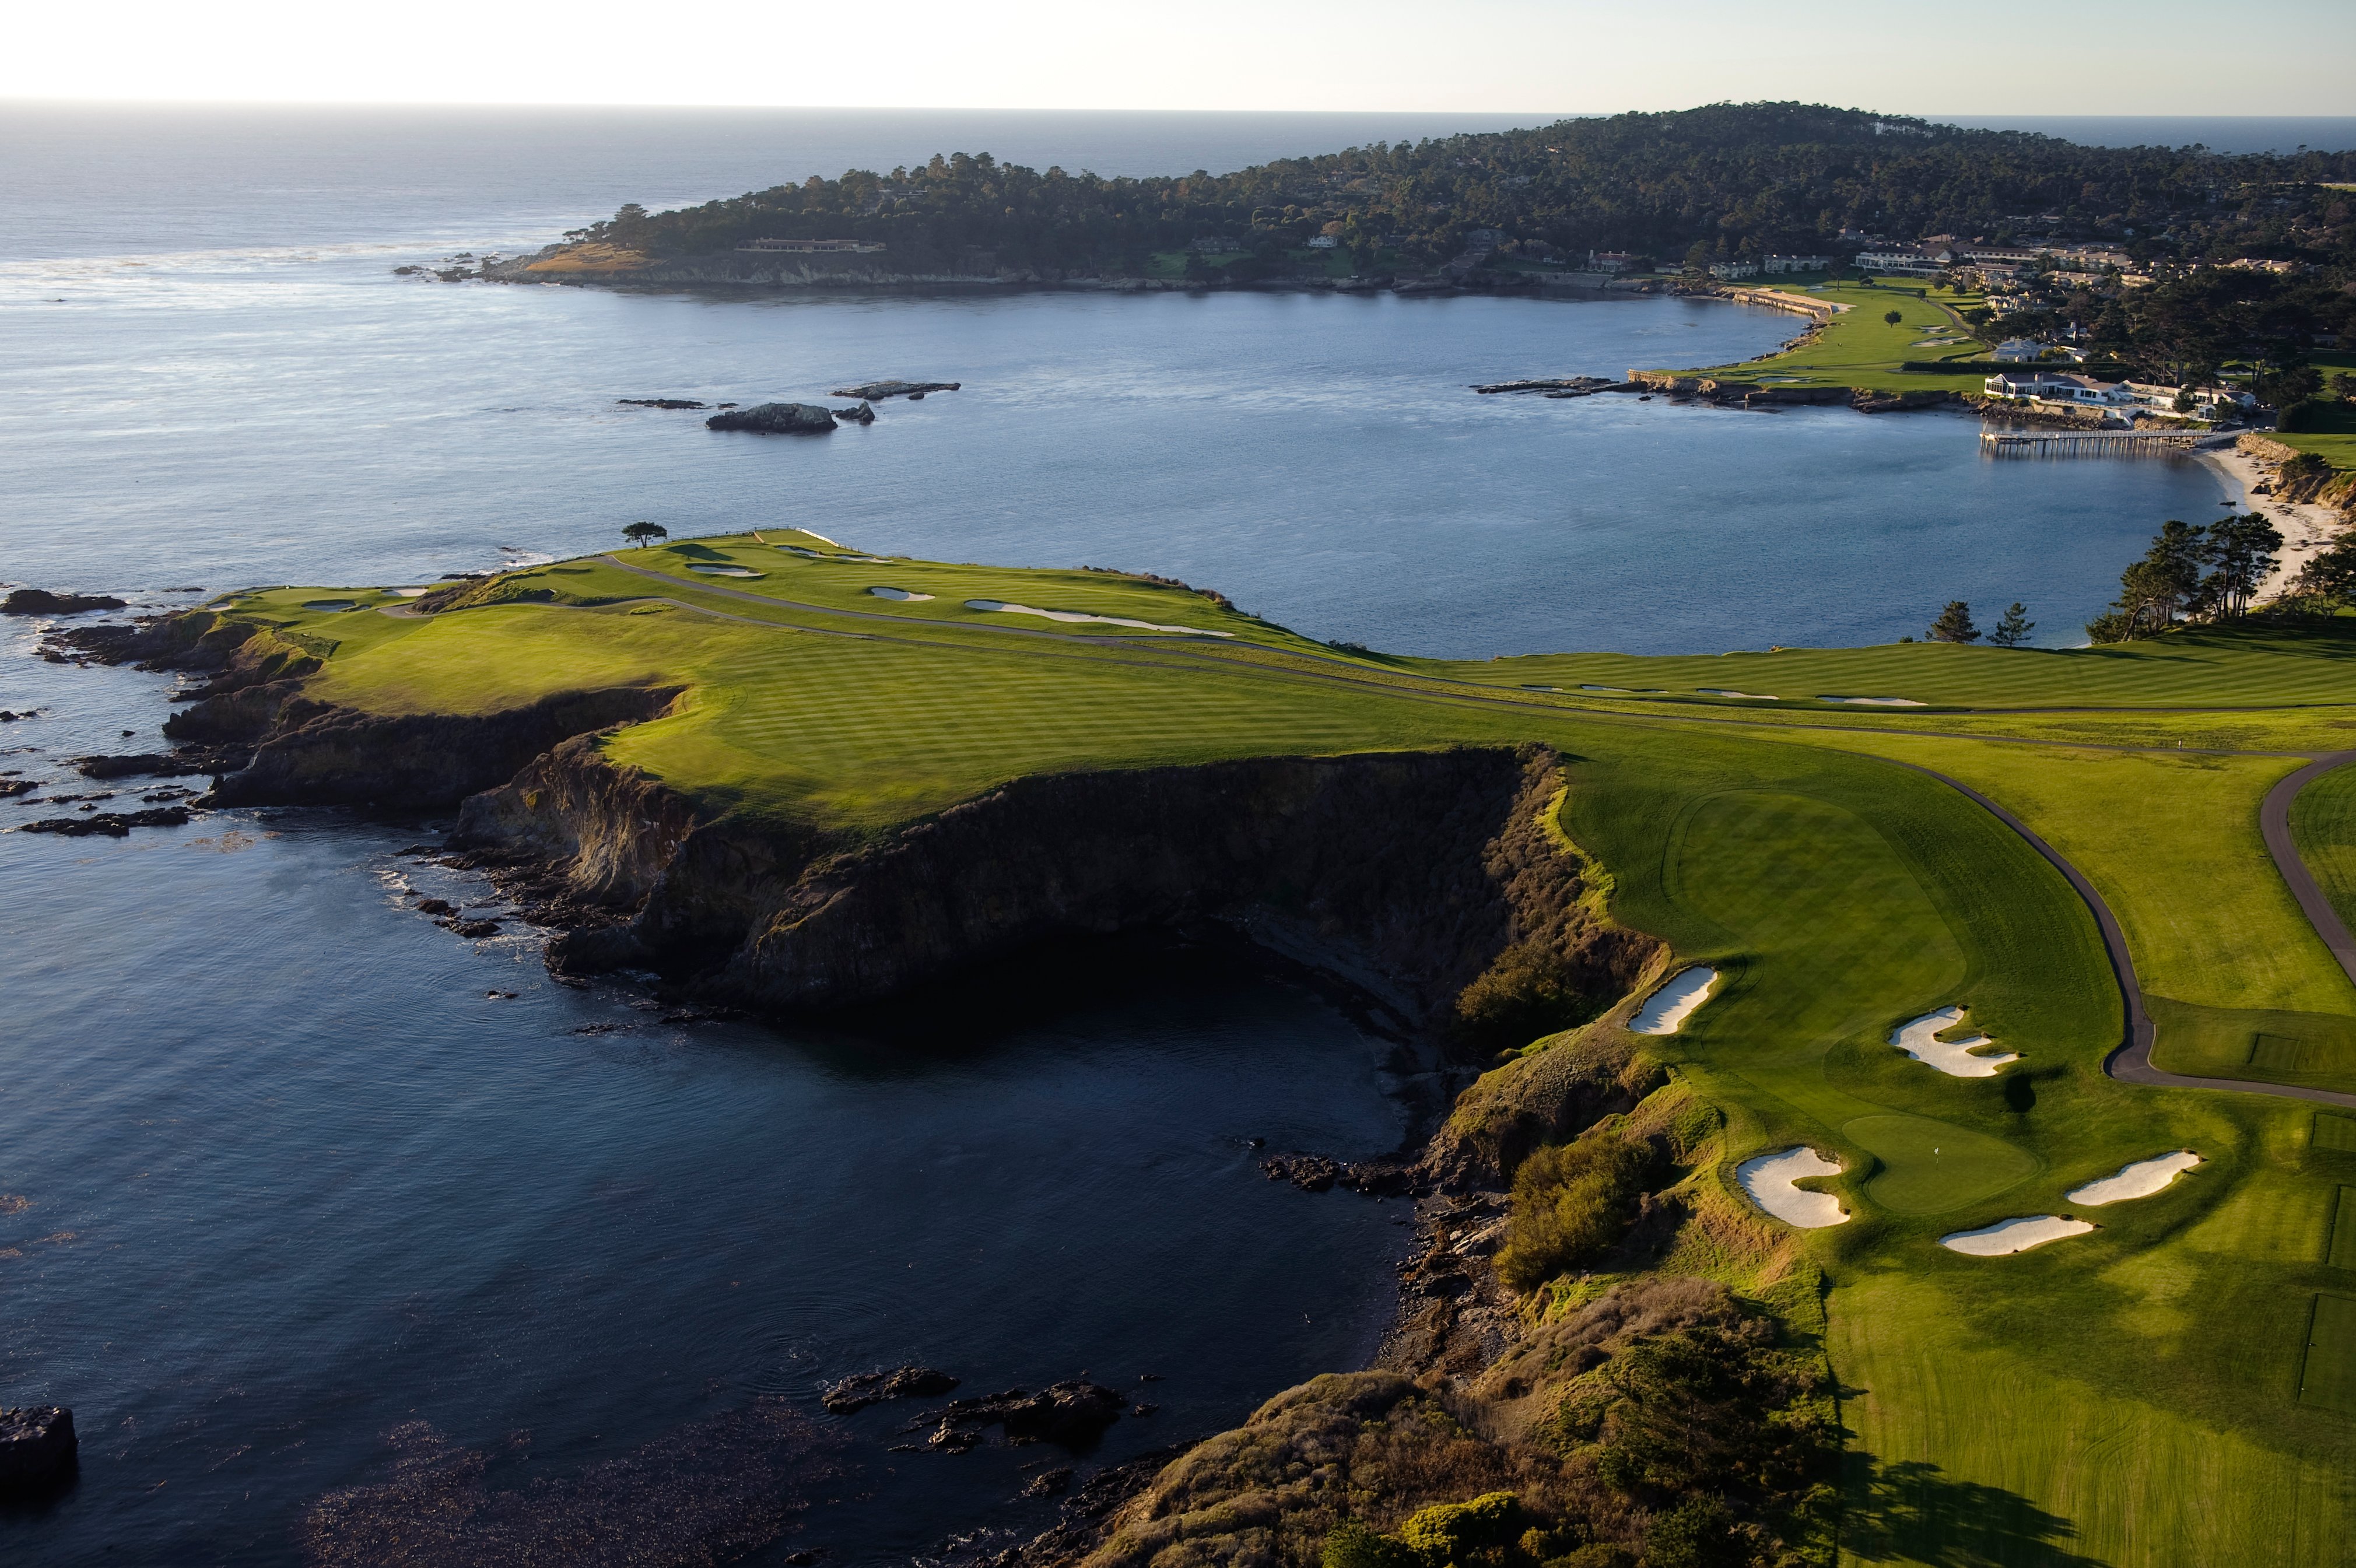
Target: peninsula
<point x="1686" y="932"/>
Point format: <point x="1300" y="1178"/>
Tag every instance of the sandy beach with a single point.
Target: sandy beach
<point x="2304" y="528"/>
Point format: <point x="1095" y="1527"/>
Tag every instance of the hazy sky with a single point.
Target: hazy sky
<point x="2152" y="57"/>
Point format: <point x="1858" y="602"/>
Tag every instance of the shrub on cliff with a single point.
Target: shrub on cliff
<point x="1531" y="990"/>
<point x="1572" y="1204"/>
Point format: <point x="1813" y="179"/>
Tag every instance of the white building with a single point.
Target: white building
<point x="1323" y="242"/>
<point x="2017" y="351"/>
<point x="1728" y="272"/>
<point x="1796" y="264"/>
<point x="1909" y="263"/>
<point x="2057" y="389"/>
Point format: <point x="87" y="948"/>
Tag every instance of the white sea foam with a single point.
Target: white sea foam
<point x="1669" y="1006"/>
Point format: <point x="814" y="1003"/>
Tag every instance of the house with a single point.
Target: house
<point x="1796" y="264"/>
<point x="2206" y="402"/>
<point x="1728" y="272"/>
<point x="812" y="247"/>
<point x="2060" y="389"/>
<point x="2017" y="351"/>
<point x="1216" y="245"/>
<point x="1609" y="260"/>
<point x="1323" y="241"/>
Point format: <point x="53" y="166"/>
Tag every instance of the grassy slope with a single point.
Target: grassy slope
<point x="2154" y="1416"/>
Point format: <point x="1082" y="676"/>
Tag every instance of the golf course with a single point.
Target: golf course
<point x="1850" y="838"/>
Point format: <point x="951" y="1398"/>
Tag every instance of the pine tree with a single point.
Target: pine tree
<point x="2014" y="629"/>
<point x="1955" y="625"/>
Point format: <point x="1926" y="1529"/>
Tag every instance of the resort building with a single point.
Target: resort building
<point x="2017" y="351"/>
<point x="812" y="247"/>
<point x="1609" y="260"/>
<point x="2061" y="390"/>
<point x="1728" y="272"/>
<point x="1323" y="243"/>
<point x="1796" y="264"/>
<point x="1908" y="263"/>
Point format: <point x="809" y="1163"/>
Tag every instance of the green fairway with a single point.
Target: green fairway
<point x="2159" y="1391"/>
<point x="2323" y="825"/>
<point x="1859" y="348"/>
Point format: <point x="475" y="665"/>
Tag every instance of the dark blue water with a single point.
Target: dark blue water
<point x="291" y="1180"/>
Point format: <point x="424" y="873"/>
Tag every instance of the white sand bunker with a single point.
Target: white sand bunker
<point x="2141" y="1180"/>
<point x="2008" y="1236"/>
<point x="1634" y="691"/>
<point x="1001" y="607"/>
<point x="1875" y="701"/>
<point x="1919" y="1039"/>
<point x="900" y="593"/>
<point x="409" y="592"/>
<point x="1670" y="1005"/>
<point x="1746" y="696"/>
<point x="1768" y="1179"/>
<point x="710" y="570"/>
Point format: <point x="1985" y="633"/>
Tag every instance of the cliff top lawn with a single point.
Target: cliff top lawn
<point x="2145" y="1394"/>
<point x="1857" y="348"/>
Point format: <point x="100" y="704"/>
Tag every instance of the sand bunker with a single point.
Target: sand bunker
<point x="900" y="593"/>
<point x="2008" y="1236"/>
<point x="1670" y="1005"/>
<point x="1875" y="701"/>
<point x="1630" y="690"/>
<point x="1768" y="1179"/>
<point x="1746" y="696"/>
<point x="2141" y="1180"/>
<point x="1919" y="1039"/>
<point x="1000" y="607"/>
<point x="409" y="592"/>
<point x="710" y="570"/>
<point x="330" y="606"/>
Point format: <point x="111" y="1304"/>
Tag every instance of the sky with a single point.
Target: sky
<point x="2154" y="57"/>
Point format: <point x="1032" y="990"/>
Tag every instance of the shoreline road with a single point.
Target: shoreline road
<point x="2274" y="821"/>
<point x="2130" y="1063"/>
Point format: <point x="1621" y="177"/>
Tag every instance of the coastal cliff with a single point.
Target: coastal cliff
<point x="781" y="919"/>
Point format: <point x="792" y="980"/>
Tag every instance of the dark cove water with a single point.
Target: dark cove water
<point x="292" y="1183"/>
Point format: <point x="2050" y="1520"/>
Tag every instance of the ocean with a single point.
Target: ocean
<point x="293" y="1187"/>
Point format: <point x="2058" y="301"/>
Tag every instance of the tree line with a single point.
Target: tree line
<point x="1738" y="179"/>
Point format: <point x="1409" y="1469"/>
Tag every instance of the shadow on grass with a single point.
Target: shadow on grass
<point x="1912" y="1511"/>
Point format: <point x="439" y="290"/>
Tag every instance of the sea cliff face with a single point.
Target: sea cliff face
<point x="1287" y="850"/>
<point x="1408" y="875"/>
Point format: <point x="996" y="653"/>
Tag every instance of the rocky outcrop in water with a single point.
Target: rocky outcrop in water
<point x="876" y="391"/>
<point x="38" y="1452"/>
<point x="41" y="602"/>
<point x="109" y="824"/>
<point x="657" y="402"/>
<point x="777" y="419"/>
<point x="1073" y="1414"/>
<point x="860" y="1390"/>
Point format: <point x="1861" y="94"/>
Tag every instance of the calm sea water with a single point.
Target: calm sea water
<point x="291" y="1181"/>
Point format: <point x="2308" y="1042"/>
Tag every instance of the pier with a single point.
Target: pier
<point x="2093" y="442"/>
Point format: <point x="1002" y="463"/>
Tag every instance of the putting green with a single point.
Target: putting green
<point x="1936" y="1167"/>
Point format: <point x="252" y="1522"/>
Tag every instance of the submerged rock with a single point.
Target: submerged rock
<point x="112" y="824"/>
<point x="859" y="1392"/>
<point x="38" y="1453"/>
<point x="41" y="602"/>
<point x="661" y="403"/>
<point x="876" y="391"/>
<point x="777" y="419"/>
<point x="1073" y="1414"/>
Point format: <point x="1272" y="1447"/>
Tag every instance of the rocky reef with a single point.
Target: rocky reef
<point x="38" y="1452"/>
<point x="777" y="419"/>
<point x="41" y="602"/>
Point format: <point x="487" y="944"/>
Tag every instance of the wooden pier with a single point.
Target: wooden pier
<point x="2090" y="443"/>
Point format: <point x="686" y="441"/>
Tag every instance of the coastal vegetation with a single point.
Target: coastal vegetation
<point x="1660" y="1383"/>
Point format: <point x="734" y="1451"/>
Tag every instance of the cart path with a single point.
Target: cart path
<point x="2274" y="821"/>
<point x="2131" y="1061"/>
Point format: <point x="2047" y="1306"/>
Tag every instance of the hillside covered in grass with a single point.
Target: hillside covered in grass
<point x="836" y="732"/>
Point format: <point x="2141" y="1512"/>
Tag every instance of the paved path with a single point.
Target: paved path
<point x="2274" y="821"/>
<point x="2131" y="1062"/>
